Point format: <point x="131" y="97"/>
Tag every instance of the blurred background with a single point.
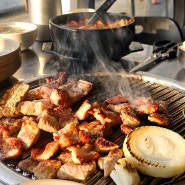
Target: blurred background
<point x="13" y="10"/>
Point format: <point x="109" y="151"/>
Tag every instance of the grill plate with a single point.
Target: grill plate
<point x="105" y="86"/>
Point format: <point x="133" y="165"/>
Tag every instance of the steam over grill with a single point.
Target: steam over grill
<point x="144" y="84"/>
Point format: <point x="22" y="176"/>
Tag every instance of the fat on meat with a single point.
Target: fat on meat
<point x="10" y="147"/>
<point x="48" y="122"/>
<point x="47" y="169"/>
<point x="29" y="164"/>
<point x="73" y="171"/>
<point x="83" y="154"/>
<point x="35" y="107"/>
<point x="29" y="133"/>
<point x="49" y="150"/>
<point x="107" y="163"/>
<point x="70" y="93"/>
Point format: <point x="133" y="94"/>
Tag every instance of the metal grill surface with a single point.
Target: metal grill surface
<point x="105" y="86"/>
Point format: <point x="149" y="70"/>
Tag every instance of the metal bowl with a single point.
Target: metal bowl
<point x="10" y="60"/>
<point x="22" y="32"/>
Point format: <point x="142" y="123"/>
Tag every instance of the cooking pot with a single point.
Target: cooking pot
<point x="88" y="44"/>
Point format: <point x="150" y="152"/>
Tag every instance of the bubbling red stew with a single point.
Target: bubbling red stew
<point x="100" y="24"/>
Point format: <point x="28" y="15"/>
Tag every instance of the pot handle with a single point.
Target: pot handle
<point x="48" y="47"/>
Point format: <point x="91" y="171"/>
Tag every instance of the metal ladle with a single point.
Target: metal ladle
<point x="100" y="11"/>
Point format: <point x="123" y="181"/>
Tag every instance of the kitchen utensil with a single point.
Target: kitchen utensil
<point x="161" y="50"/>
<point x="100" y="11"/>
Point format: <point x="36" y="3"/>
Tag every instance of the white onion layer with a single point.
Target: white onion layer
<point x="156" y="151"/>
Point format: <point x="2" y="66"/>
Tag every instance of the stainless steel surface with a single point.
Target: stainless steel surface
<point x="40" y="12"/>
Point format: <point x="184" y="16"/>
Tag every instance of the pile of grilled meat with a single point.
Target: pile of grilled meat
<point x="80" y="138"/>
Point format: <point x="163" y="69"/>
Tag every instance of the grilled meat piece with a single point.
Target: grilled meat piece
<point x="160" y="119"/>
<point x="9" y="126"/>
<point x="64" y="115"/>
<point x="29" y="133"/>
<point x="129" y="118"/>
<point x="29" y="164"/>
<point x="105" y="116"/>
<point x="144" y="105"/>
<point x="10" y="147"/>
<point x="45" y="90"/>
<point x="70" y="93"/>
<point x="82" y="113"/>
<point x="35" y="107"/>
<point x="47" y="169"/>
<point x="107" y="163"/>
<point x="9" y="101"/>
<point x="117" y="99"/>
<point x="95" y="129"/>
<point x="126" y="129"/>
<point x="83" y="154"/>
<point x="33" y="95"/>
<point x="65" y="157"/>
<point x="162" y="106"/>
<point x="50" y="149"/>
<point x="120" y="107"/>
<point x="104" y="146"/>
<point x="73" y="171"/>
<point x="48" y="122"/>
<point x="67" y="136"/>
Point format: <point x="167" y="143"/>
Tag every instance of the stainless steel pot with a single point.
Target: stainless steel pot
<point x="40" y="12"/>
<point x="83" y="44"/>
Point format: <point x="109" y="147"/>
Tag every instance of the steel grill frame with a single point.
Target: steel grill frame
<point x="158" y="87"/>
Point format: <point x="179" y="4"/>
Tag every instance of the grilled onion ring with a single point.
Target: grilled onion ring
<point x="156" y="151"/>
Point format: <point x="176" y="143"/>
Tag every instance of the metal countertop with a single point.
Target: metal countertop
<point x="36" y="63"/>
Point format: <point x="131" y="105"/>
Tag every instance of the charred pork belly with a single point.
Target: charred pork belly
<point x="67" y="136"/>
<point x="83" y="154"/>
<point x="29" y="164"/>
<point x="29" y="133"/>
<point x="117" y="99"/>
<point x="65" y="157"/>
<point x="70" y="93"/>
<point x="144" y="105"/>
<point x="47" y="169"/>
<point x="65" y="115"/>
<point x="160" y="119"/>
<point x="10" y="147"/>
<point x="9" y="126"/>
<point x="50" y="149"/>
<point x="126" y="129"/>
<point x="129" y="118"/>
<point x="102" y="145"/>
<point x="48" y="122"/>
<point x="35" y="107"/>
<point x="122" y="106"/>
<point x="107" y="163"/>
<point x="73" y="171"/>
<point x="9" y="101"/>
<point x="105" y="116"/>
<point x="82" y="113"/>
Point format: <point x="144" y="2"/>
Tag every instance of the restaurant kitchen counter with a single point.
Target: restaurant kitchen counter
<point x="36" y="62"/>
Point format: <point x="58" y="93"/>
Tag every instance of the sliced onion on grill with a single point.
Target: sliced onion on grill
<point x="156" y="151"/>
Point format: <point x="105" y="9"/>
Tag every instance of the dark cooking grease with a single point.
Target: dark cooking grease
<point x="100" y="24"/>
